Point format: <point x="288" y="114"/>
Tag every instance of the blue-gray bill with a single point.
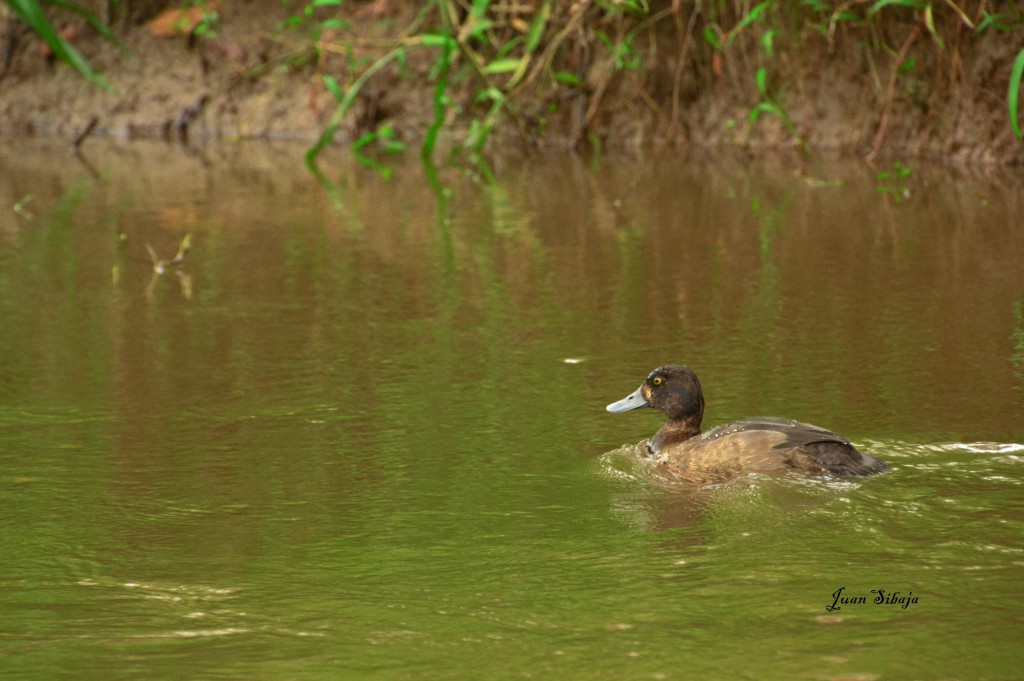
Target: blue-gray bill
<point x="636" y="400"/>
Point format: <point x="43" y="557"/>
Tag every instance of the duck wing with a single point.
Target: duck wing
<point x="807" y="447"/>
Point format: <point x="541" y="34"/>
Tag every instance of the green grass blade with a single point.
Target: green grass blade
<point x="537" y="26"/>
<point x="32" y="14"/>
<point x="436" y="40"/>
<point x="346" y="102"/>
<point x="753" y="15"/>
<point x="90" y="18"/>
<point x="712" y="37"/>
<point x="761" y="108"/>
<point x="480" y="7"/>
<point x="334" y="88"/>
<point x="444" y="62"/>
<point x="762" y="81"/>
<point x="566" y="78"/>
<point x="502" y="66"/>
<point x="878" y="6"/>
<point x="322" y="3"/>
<point x="533" y="37"/>
<point x="1013" y="96"/>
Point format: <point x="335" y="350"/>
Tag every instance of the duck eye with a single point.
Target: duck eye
<point x="657" y="380"/>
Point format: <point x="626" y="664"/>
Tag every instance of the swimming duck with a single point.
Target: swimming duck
<point x="762" y="444"/>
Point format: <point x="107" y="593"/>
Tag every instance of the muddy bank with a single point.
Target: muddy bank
<point x="888" y="91"/>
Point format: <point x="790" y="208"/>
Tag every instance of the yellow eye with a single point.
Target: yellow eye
<point x="657" y="380"/>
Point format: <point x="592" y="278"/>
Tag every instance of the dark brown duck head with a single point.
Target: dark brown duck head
<point x="675" y="390"/>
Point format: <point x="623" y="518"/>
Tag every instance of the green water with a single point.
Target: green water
<point x="362" y="434"/>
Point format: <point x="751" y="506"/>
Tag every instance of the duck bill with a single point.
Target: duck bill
<point x="636" y="400"/>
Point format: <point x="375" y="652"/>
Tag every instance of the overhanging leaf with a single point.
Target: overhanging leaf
<point x="32" y="14"/>
<point x="1013" y="96"/>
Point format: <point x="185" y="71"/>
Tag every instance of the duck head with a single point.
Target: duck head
<point x="672" y="389"/>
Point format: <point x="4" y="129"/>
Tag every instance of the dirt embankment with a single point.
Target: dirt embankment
<point x="901" y="88"/>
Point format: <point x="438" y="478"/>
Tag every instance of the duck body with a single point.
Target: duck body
<point x="760" y="444"/>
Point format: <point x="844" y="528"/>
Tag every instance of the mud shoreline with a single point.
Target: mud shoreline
<point x="250" y="81"/>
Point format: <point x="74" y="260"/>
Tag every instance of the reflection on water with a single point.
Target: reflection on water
<point x="364" y="434"/>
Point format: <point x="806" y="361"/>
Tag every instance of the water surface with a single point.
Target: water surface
<point x="361" y="433"/>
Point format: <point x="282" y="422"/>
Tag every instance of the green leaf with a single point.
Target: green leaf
<point x="509" y="46"/>
<point x="768" y="42"/>
<point x="492" y="94"/>
<point x="929" y="22"/>
<point x="763" y="107"/>
<point x="753" y="15"/>
<point x="567" y="78"/>
<point x="537" y="27"/>
<point x="441" y="99"/>
<point x="364" y="140"/>
<point x="762" y="80"/>
<point x="334" y="88"/>
<point x="533" y="37"/>
<point x="334" y="23"/>
<point x="993" y="20"/>
<point x="501" y="66"/>
<point x="1013" y="96"/>
<point x="325" y="138"/>
<point x="878" y="6"/>
<point x="479" y="28"/>
<point x="30" y="12"/>
<point x="437" y="40"/>
<point x="712" y="37"/>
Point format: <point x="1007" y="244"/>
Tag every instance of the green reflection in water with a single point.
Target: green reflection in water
<point x="1017" y="358"/>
